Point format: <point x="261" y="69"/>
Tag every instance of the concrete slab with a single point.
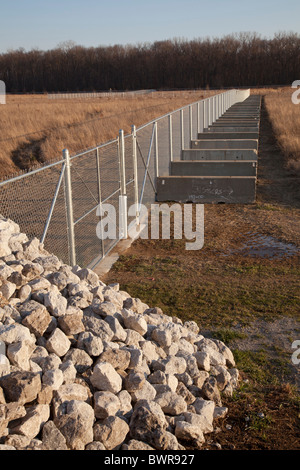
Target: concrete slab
<point x="225" y="144"/>
<point x="246" y="117"/>
<point x="214" y="168"/>
<point x="228" y="135"/>
<point x="207" y="190"/>
<point x="233" y="129"/>
<point x="238" y="118"/>
<point x="219" y="154"/>
<point x="235" y="123"/>
<point x="244" y="108"/>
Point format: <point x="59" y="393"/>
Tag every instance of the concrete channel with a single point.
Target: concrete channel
<point x="221" y="165"/>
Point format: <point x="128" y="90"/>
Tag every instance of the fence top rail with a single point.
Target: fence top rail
<point x="180" y="109"/>
<point x="29" y="173"/>
<point x="92" y="149"/>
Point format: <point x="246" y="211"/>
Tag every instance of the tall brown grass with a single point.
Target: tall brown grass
<point x="35" y="129"/>
<point x="285" y="119"/>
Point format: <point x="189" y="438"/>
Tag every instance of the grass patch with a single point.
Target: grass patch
<point x="268" y="207"/>
<point x="259" y="423"/>
<point x="229" y="294"/>
<point x="227" y="335"/>
<point x="256" y="365"/>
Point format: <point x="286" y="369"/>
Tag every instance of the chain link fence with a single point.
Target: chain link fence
<point x="60" y="203"/>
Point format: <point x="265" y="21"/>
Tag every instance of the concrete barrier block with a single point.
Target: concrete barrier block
<point x="207" y="190"/>
<point x="225" y="144"/>
<point x="219" y="154"/>
<point x="233" y="129"/>
<point x="228" y="135"/>
<point x="214" y="168"/>
<point x="235" y="123"/>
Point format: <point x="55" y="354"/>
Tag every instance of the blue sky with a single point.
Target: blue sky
<point x="40" y="24"/>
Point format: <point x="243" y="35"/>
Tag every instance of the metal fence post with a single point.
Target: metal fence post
<point x="122" y="163"/>
<point x="191" y="123"/>
<point x="215" y="108"/>
<point x="171" y="137"/>
<point x="123" y="232"/>
<point x="156" y="151"/>
<point x="135" y="175"/>
<point x="199" y="119"/>
<point x="69" y="208"/>
<point x="99" y="194"/>
<point x="181" y="130"/>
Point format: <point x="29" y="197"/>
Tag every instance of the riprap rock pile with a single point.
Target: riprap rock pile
<point x="84" y="366"/>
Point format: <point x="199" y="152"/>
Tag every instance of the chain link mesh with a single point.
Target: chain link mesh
<point x="27" y="201"/>
<point x="95" y="177"/>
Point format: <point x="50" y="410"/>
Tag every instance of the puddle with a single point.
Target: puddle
<point x="264" y="246"/>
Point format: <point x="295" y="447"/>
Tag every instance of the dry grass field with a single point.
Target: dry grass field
<point x="285" y="119"/>
<point x="35" y="129"/>
<point x="284" y="116"/>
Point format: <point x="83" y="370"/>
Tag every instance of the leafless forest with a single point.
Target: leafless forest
<point x="244" y="59"/>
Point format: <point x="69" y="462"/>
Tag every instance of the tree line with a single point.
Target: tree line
<point x="244" y="59"/>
